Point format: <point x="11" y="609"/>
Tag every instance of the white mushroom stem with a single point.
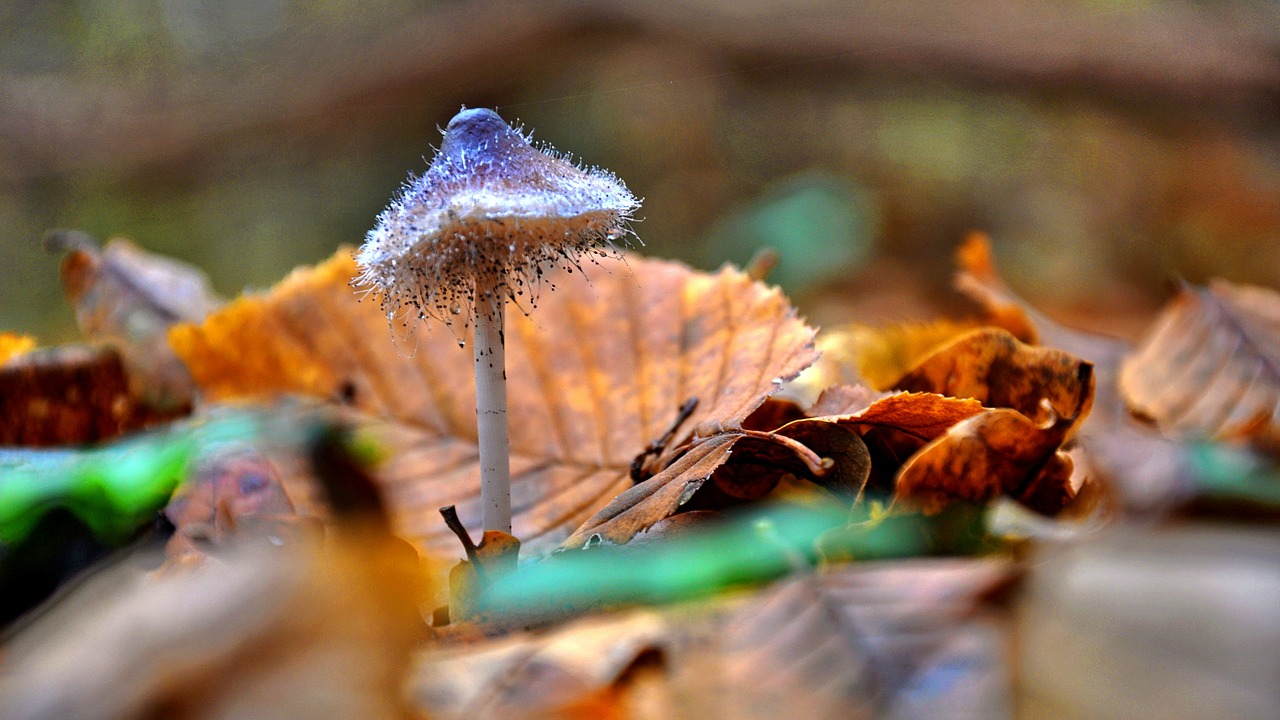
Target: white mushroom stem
<point x="491" y="409"/>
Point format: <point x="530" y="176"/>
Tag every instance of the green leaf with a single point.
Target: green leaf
<point x="115" y="488"/>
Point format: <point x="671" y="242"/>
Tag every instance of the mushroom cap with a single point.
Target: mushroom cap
<point x="491" y="211"/>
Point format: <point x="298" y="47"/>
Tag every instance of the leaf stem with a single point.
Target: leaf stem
<point x="491" y="408"/>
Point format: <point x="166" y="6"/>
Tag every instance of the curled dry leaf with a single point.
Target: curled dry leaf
<point x="129" y="298"/>
<point x="1148" y="471"/>
<point x="921" y="416"/>
<point x="1210" y="367"/>
<point x="977" y="278"/>
<point x="894" y="426"/>
<point x="1041" y="395"/>
<point x="597" y="373"/>
<point x="999" y="452"/>
<point x="825" y="454"/>
<point x="996" y="369"/>
<point x="752" y="473"/>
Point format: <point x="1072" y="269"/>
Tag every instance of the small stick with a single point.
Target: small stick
<point x="638" y="473"/>
<point x="450" y="514"/>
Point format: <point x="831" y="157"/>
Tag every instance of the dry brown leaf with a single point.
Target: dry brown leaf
<point x="922" y="415"/>
<point x="308" y="630"/>
<point x="999" y="452"/>
<point x="1051" y="390"/>
<point x="901" y="639"/>
<point x="129" y="298"/>
<point x="767" y="456"/>
<point x="977" y="278"/>
<point x="641" y="506"/>
<point x="1210" y="367"/>
<point x="71" y="394"/>
<point x="1147" y="471"/>
<point x="996" y="369"/>
<point x="1011" y="450"/>
<point x="597" y="371"/>
<point x="13" y="345"/>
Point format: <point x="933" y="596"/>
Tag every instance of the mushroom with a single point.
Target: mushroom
<point x="480" y="227"/>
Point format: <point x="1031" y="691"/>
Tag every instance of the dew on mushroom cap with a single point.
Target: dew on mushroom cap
<point x="491" y="211"/>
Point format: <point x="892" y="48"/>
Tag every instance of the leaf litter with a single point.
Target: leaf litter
<point x="981" y="418"/>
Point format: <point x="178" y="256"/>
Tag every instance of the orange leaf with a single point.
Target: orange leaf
<point x="999" y="452"/>
<point x="993" y="367"/>
<point x="12" y="345"/>
<point x="921" y="415"/>
<point x="598" y="370"/>
<point x="1210" y="367"/>
<point x="977" y="278"/>
<point x="1002" y="451"/>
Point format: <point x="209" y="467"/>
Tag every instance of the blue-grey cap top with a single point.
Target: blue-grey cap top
<point x="491" y="211"/>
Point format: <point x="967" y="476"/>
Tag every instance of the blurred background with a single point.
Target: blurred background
<point x="1107" y="146"/>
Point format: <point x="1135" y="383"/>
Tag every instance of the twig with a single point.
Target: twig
<point x="450" y="514"/>
<point x="638" y="472"/>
